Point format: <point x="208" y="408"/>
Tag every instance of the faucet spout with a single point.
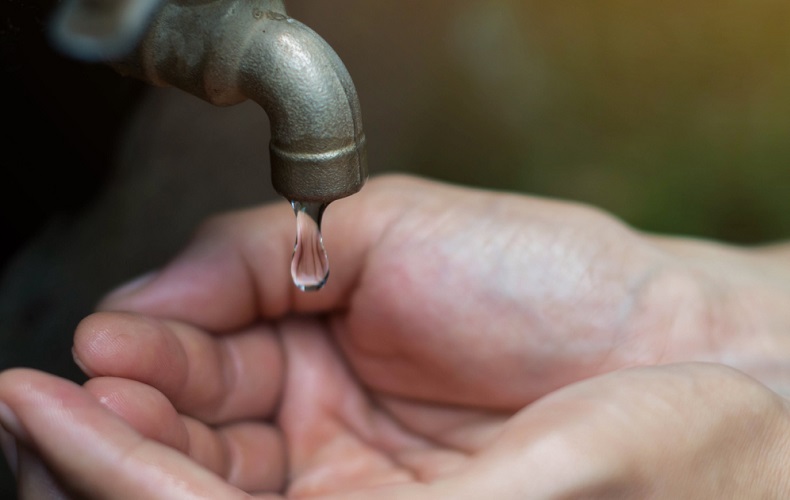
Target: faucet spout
<point x="227" y="51"/>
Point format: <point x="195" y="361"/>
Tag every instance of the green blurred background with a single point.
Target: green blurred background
<point x="673" y="115"/>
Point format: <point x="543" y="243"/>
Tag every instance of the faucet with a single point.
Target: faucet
<point x="227" y="51"/>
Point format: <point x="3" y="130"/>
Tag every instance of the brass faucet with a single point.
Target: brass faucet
<point x="227" y="51"/>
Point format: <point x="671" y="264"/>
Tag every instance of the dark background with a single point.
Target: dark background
<point x="674" y="117"/>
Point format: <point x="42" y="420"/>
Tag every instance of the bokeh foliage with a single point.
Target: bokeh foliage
<point x="673" y="115"/>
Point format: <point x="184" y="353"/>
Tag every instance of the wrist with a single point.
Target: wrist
<point x="781" y="462"/>
<point x="745" y="302"/>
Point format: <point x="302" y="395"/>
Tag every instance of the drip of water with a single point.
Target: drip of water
<point x="309" y="264"/>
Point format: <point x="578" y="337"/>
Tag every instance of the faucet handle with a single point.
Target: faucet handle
<point x="100" y="30"/>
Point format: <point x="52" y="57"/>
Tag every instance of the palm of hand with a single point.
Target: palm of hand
<point x="423" y="370"/>
<point x="461" y="309"/>
<point x="291" y="404"/>
<point x="466" y="290"/>
<point x="303" y="421"/>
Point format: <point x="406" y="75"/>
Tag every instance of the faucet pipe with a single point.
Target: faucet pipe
<point x="227" y="51"/>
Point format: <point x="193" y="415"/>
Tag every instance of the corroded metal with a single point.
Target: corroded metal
<point x="227" y="51"/>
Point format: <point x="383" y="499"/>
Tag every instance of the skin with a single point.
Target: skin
<point x="468" y="344"/>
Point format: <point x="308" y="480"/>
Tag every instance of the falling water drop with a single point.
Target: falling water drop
<point x="309" y="264"/>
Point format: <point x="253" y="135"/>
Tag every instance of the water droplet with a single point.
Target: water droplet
<point x="309" y="264"/>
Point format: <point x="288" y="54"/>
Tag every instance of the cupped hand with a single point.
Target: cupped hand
<point x="440" y="293"/>
<point x="691" y="430"/>
<point x="414" y="373"/>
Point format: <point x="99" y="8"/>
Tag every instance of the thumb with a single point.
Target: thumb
<point x="235" y="269"/>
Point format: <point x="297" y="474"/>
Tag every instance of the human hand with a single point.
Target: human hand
<point x="435" y="336"/>
<point x="675" y="431"/>
<point x="437" y="291"/>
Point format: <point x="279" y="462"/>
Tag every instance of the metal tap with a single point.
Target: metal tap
<point x="227" y="51"/>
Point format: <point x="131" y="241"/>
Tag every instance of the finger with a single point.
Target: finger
<point x="236" y="268"/>
<point x="706" y="426"/>
<point x="250" y="456"/>
<point x="34" y="479"/>
<point x="10" y="453"/>
<point x="143" y="407"/>
<point x="214" y="379"/>
<point x="92" y="452"/>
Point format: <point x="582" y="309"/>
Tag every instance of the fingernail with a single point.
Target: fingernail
<point x="9" y="421"/>
<point x="8" y="444"/>
<point x="36" y="479"/>
<point x="9" y="425"/>
<point x="80" y="364"/>
<point x="129" y="287"/>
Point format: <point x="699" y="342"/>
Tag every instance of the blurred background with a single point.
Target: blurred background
<point x="672" y="115"/>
